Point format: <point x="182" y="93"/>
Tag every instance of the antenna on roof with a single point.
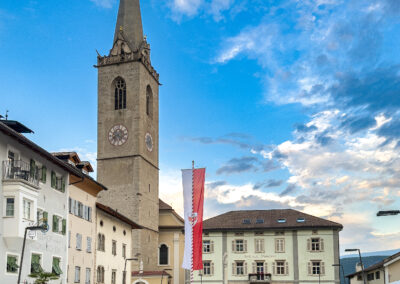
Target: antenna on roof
<point x="6" y="114"/>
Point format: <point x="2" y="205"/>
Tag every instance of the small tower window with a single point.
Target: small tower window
<point x="149" y="102"/>
<point x="119" y="93"/>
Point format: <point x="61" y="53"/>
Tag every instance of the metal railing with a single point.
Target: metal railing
<point x="259" y="277"/>
<point x="20" y="170"/>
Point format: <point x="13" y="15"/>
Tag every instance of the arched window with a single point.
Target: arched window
<point x="100" y="242"/>
<point x="119" y="93"/>
<point x="149" y="102"/>
<point x="163" y="255"/>
<point x="100" y="274"/>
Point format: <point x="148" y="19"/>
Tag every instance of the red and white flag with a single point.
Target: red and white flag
<point x="193" y="198"/>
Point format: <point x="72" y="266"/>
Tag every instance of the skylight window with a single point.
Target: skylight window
<point x="301" y="220"/>
<point x="281" y="220"/>
<point x="246" y="221"/>
<point x="260" y="221"/>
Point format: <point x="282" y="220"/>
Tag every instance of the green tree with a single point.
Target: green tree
<point x="44" y="277"/>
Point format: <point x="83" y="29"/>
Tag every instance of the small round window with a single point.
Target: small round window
<point x="114" y="229"/>
<point x="101" y="223"/>
<point x="124" y="232"/>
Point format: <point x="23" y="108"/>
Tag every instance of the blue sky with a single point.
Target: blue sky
<point x="287" y="103"/>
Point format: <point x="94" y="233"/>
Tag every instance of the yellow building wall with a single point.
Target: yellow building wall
<point x="76" y="225"/>
<point x="394" y="271"/>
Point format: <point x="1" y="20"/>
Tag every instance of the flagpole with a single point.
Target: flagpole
<point x="191" y="266"/>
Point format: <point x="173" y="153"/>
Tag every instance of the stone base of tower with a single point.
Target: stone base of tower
<point x="145" y="248"/>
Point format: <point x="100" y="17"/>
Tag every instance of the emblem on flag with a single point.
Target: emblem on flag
<point x="193" y="219"/>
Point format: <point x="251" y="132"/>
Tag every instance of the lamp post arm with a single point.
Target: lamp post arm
<point x="362" y="267"/>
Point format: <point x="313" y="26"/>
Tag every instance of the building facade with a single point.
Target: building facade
<point x="128" y="131"/>
<point x="34" y="191"/>
<point x="269" y="246"/>
<point x="81" y="222"/>
<point x="386" y="271"/>
<point x="114" y="243"/>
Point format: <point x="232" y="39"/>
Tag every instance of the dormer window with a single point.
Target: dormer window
<point x="281" y="220"/>
<point x="301" y="220"/>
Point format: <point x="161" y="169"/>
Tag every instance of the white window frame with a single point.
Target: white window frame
<point x="280" y="245"/>
<point x="206" y="246"/>
<point x="88" y="274"/>
<point x="79" y="278"/>
<point x="5" y="206"/>
<point x="12" y="254"/>
<point x="209" y="268"/>
<point x="80" y="242"/>
<point x="237" y="245"/>
<point x="89" y="244"/>
<point x="237" y="268"/>
<point x="280" y="268"/>
<point x="31" y="205"/>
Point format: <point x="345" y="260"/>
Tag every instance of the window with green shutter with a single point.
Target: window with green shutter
<point x="12" y="266"/>
<point x="53" y="179"/>
<point x="32" y="168"/>
<point x="43" y="176"/>
<point x="56" y="221"/>
<point x="35" y="264"/>
<point x="45" y="217"/>
<point x="56" y="266"/>
<point x="62" y="184"/>
<point x="64" y="226"/>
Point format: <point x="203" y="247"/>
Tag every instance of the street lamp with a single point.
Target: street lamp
<point x="338" y="264"/>
<point x="162" y="274"/>
<point x="124" y="273"/>
<point x="42" y="228"/>
<point x="362" y="266"/>
<point x="388" y="213"/>
<point x="201" y="276"/>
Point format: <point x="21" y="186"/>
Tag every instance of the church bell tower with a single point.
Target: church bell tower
<point x="127" y="150"/>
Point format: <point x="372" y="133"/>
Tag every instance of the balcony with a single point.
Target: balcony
<point x="259" y="278"/>
<point x="20" y="171"/>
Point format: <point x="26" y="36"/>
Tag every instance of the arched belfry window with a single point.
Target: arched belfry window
<point x="149" y="102"/>
<point x="163" y="255"/>
<point x="119" y="93"/>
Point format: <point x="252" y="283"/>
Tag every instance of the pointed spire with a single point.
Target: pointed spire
<point x="129" y="21"/>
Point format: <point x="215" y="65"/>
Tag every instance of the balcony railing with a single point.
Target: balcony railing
<point x="259" y="277"/>
<point x="20" y="170"/>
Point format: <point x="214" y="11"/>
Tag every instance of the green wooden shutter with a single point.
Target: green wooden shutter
<point x="35" y="264"/>
<point x="62" y="184"/>
<point x="32" y="168"/>
<point x="53" y="179"/>
<point x="64" y="226"/>
<point x="45" y="217"/>
<point x="44" y="174"/>
<point x="55" y="223"/>
<point x="56" y="266"/>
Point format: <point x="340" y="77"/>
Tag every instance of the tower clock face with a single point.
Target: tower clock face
<point x="149" y="142"/>
<point x="118" y="135"/>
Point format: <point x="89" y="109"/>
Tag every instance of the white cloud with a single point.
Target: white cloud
<point x="254" y="42"/>
<point x="186" y="7"/>
<point x="104" y="3"/>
